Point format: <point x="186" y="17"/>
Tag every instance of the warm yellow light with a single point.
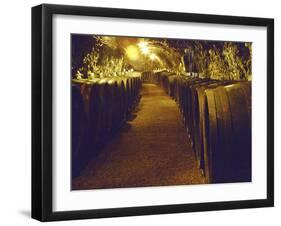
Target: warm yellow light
<point x="152" y="56"/>
<point x="132" y="52"/>
<point x="142" y="44"/>
<point x="143" y="47"/>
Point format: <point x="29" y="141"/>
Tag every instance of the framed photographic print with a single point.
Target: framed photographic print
<point x="146" y="112"/>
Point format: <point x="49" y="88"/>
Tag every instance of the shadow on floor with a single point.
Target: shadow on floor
<point x="25" y="213"/>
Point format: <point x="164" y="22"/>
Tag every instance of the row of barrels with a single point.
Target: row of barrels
<point x="148" y="77"/>
<point x="217" y="116"/>
<point x="99" y="108"/>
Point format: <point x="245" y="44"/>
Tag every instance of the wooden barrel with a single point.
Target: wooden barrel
<point x="99" y="109"/>
<point x="178" y="85"/>
<point x="95" y="117"/>
<point x="199" y="101"/>
<point x="134" y="88"/>
<point x="121" y="103"/>
<point x="139" y="83"/>
<point x="171" y="85"/>
<point x="197" y="91"/>
<point x="183" y="98"/>
<point x="240" y="106"/>
<point x="78" y="122"/>
<point x="130" y="93"/>
<point x="106" y="109"/>
<point x="227" y="141"/>
<point x="163" y="80"/>
<point x="189" y="106"/>
<point x="157" y="77"/>
<point x="148" y="77"/>
<point x="133" y="91"/>
<point x="124" y="97"/>
<point x="112" y="109"/>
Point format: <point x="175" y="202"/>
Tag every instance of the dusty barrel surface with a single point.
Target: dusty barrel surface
<point x="227" y="141"/>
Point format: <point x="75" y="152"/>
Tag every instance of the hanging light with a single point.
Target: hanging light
<point x="132" y="52"/>
<point x="144" y="47"/>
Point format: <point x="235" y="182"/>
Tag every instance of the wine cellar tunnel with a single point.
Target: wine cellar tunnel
<point x="151" y="112"/>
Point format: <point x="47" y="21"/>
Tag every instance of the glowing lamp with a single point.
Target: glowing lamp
<point x="143" y="47"/>
<point x="132" y="52"/>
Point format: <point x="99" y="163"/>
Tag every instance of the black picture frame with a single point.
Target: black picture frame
<point x="42" y="107"/>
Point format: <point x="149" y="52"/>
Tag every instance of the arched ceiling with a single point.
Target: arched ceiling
<point x="144" y="53"/>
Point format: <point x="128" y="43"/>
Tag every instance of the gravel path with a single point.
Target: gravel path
<point x="150" y="150"/>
